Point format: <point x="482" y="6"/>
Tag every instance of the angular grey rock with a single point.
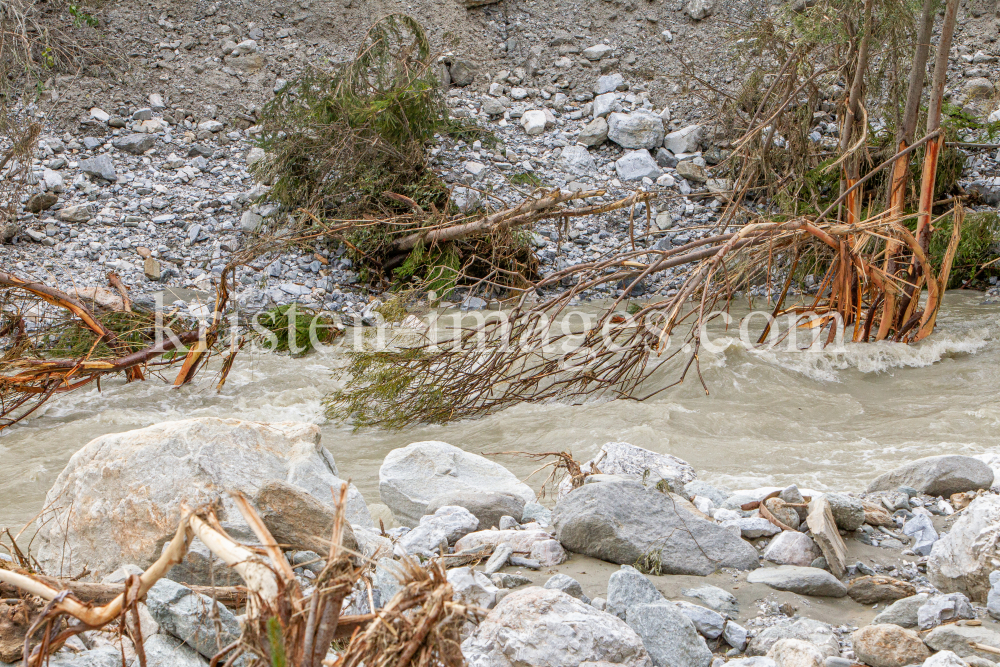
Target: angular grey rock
<point x="960" y="638"/>
<point x="735" y="635"/>
<point x="547" y="628"/>
<point x="792" y="548"/>
<point x="576" y="160"/>
<point x="669" y="635"/>
<point x="104" y="656"/>
<point x="625" y="522"/>
<point x="699" y="488"/>
<point x="609" y="83"/>
<point x="167" y="651"/>
<point x="635" y="130"/>
<point x="937" y="476"/>
<point x="536" y="512"/>
<point x="594" y="133"/>
<point x="636" y="165"/>
<point x="699" y="9"/>
<point x="684" y="140"/>
<point x="715" y="598"/>
<point x="962" y="560"/>
<point x="944" y="659"/>
<point x="753" y="527"/>
<point x="567" y="585"/>
<point x="448" y="524"/>
<point x="472" y="588"/>
<point x="708" y="623"/>
<point x="605" y="104"/>
<point x="136" y="144"/>
<point x="756" y="661"/>
<point x="802" y="580"/>
<point x="993" y="597"/>
<point x="387" y="578"/>
<point x="298" y="519"/>
<point x="939" y="609"/>
<point x="128" y="487"/>
<point x="486" y="506"/>
<point x="922" y="531"/>
<point x="412" y="476"/>
<point x="201" y="623"/>
<point x="806" y="629"/>
<point x="626" y="460"/>
<point x="75" y="213"/>
<point x="903" y="612"/>
<point x="597" y="52"/>
<point x="848" y="512"/>
<point x="100" y="166"/>
<point x="462" y="73"/>
<point x="628" y="587"/>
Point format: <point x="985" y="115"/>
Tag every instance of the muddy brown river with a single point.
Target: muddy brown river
<point x="831" y="419"/>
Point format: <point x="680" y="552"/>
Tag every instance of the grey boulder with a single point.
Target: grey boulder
<point x="805" y="629"/>
<point x="594" y="133"/>
<point x="486" y="506"/>
<point x="548" y="628"/>
<point x="636" y="165"/>
<point x="104" y="656"/>
<point x="937" y="476"/>
<point x="626" y="522"/>
<point x="136" y="144"/>
<point x="197" y="620"/>
<point x="802" y="580"/>
<point x="567" y="585"/>
<point x="576" y="160"/>
<point x="635" y="130"/>
<point x="412" y="476"/>
<point x="962" y="560"/>
<point x="627" y="588"/>
<point x="848" y="512"/>
<point x="127" y="488"/>
<point x="167" y="651"/>
<point x="715" y="598"/>
<point x="448" y="524"/>
<point x="960" y="639"/>
<point x="903" y="612"/>
<point x="670" y="637"/>
<point x="100" y="166"/>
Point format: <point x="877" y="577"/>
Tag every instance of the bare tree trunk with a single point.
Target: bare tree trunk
<point x="897" y="189"/>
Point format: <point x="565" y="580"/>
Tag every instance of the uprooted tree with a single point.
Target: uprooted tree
<point x="285" y="625"/>
<point x="850" y="218"/>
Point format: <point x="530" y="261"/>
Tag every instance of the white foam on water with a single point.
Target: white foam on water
<point x="826" y="363"/>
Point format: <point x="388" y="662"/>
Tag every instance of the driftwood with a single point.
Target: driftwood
<point x="30" y="377"/>
<point x="419" y="626"/>
<point x="99" y="594"/>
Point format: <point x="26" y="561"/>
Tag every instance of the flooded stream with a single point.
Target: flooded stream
<point x="825" y="420"/>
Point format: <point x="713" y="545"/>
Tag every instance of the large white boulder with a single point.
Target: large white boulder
<point x="410" y="477"/>
<point x="545" y="627"/>
<point x="119" y="498"/>
<point x="627" y="460"/>
<point x="640" y="129"/>
<point x="684" y="140"/>
<point x="961" y="561"/>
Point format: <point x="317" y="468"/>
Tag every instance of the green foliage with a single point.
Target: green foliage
<point x="277" y="641"/>
<point x="376" y="383"/>
<point x="393" y="310"/>
<point x="337" y="140"/>
<point x="80" y="17"/>
<point x="976" y="245"/>
<point x="292" y="328"/>
<point x="438" y="268"/>
<point x="526" y="179"/>
<point x="135" y="331"/>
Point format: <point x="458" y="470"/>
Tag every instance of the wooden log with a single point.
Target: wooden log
<point x="94" y="593"/>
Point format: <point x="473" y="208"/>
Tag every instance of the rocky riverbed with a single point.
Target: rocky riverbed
<point x="638" y="562"/>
